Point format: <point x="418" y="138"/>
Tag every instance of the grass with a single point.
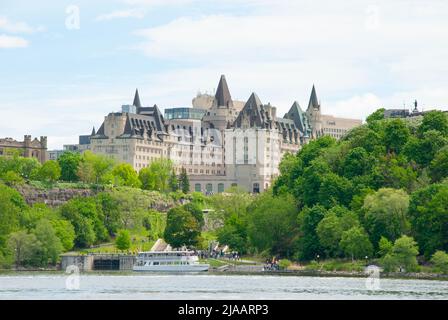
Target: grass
<point x="214" y="263"/>
<point x="336" y="265"/>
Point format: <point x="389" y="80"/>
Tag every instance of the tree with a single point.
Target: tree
<point x="428" y="211"/>
<point x="65" y="232"/>
<point x="196" y="210"/>
<point x="422" y="150"/>
<point x="11" y="204"/>
<point x="23" y="245"/>
<point x="234" y="234"/>
<point x="184" y="182"/>
<point x="329" y="231"/>
<point x="94" y="167"/>
<point x="355" y="243"/>
<point x="157" y="176"/>
<point x="272" y="224"/>
<point x="356" y="163"/>
<point x="182" y="228"/>
<point x="69" y="162"/>
<point x="440" y="261"/>
<point x="434" y="120"/>
<point x="376" y="116"/>
<point x="386" y="214"/>
<point x="234" y="201"/>
<point x="385" y="247"/>
<point x="308" y="220"/>
<point x="173" y="181"/>
<point x="439" y="165"/>
<point x="123" y="240"/>
<point x="334" y="190"/>
<point x="396" y="134"/>
<point x="404" y="255"/>
<point x="50" y="245"/>
<point x="87" y="219"/>
<point x="50" y="171"/>
<point x="125" y="175"/>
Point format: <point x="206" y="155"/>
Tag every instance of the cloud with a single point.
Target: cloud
<point x="7" y="42"/>
<point x="18" y="27"/>
<point x="131" y="13"/>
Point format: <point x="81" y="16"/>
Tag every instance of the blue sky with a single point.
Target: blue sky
<point x="361" y="55"/>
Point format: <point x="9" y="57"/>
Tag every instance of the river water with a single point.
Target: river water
<point x="210" y="286"/>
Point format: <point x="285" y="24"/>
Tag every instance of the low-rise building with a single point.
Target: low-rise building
<point x="29" y="148"/>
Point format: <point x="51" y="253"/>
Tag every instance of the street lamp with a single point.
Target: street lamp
<point x="367" y="260"/>
<point x="317" y="257"/>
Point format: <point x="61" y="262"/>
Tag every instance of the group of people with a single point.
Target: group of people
<point x="271" y="265"/>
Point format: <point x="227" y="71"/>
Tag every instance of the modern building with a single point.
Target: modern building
<point x="406" y="114"/>
<point x="29" y="148"/>
<point x="220" y="142"/>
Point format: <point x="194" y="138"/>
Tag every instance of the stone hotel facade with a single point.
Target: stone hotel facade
<point x="220" y="142"/>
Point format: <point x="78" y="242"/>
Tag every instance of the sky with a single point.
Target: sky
<point x="64" y="65"/>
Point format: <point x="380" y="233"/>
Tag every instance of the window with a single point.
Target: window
<point x="209" y="187"/>
<point x="256" y="188"/>
<point x="197" y="187"/>
<point x="220" y="187"/>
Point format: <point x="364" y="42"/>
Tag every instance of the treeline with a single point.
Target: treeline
<point x="379" y="193"/>
<point x="93" y="169"/>
<point x="35" y="236"/>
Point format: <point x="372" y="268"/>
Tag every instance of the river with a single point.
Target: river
<point x="210" y="286"/>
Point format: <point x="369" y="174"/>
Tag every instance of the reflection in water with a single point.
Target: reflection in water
<point x="206" y="286"/>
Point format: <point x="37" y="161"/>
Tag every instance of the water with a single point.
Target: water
<point x="208" y="286"/>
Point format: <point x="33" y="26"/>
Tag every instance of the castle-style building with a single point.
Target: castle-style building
<point x="28" y="148"/>
<point x="220" y="142"/>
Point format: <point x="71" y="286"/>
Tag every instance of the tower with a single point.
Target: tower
<point x="314" y="114"/>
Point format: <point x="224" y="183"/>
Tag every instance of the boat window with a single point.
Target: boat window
<point x="156" y="263"/>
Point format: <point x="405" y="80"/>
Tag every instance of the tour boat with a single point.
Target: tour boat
<point x="176" y="261"/>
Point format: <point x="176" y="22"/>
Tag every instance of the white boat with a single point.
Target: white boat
<point x="175" y="261"/>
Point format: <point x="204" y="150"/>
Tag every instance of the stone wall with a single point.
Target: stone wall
<point x="51" y="197"/>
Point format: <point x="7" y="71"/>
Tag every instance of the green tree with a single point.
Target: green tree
<point x="234" y="234"/>
<point x="386" y="214"/>
<point x="396" y="134"/>
<point x="69" y="162"/>
<point x="123" y="240"/>
<point x="308" y="220"/>
<point x="376" y="116"/>
<point x="384" y="247"/>
<point x="272" y="224"/>
<point x="157" y="176"/>
<point x="125" y="175"/>
<point x="434" y="120"/>
<point x="50" y="245"/>
<point x="50" y="171"/>
<point x="65" y="232"/>
<point x="182" y="228"/>
<point x="428" y="211"/>
<point x="404" y="255"/>
<point x="329" y="231"/>
<point x="23" y="246"/>
<point x="422" y="150"/>
<point x="355" y="243"/>
<point x="184" y="182"/>
<point x="440" y="261"/>
<point x="334" y="190"/>
<point x="356" y="163"/>
<point x="94" y="167"/>
<point x="439" y="165"/>
<point x="11" y="204"/>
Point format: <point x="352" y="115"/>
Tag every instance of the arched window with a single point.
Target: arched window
<point x="209" y="187"/>
<point x="220" y="187"/>
<point x="197" y="187"/>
